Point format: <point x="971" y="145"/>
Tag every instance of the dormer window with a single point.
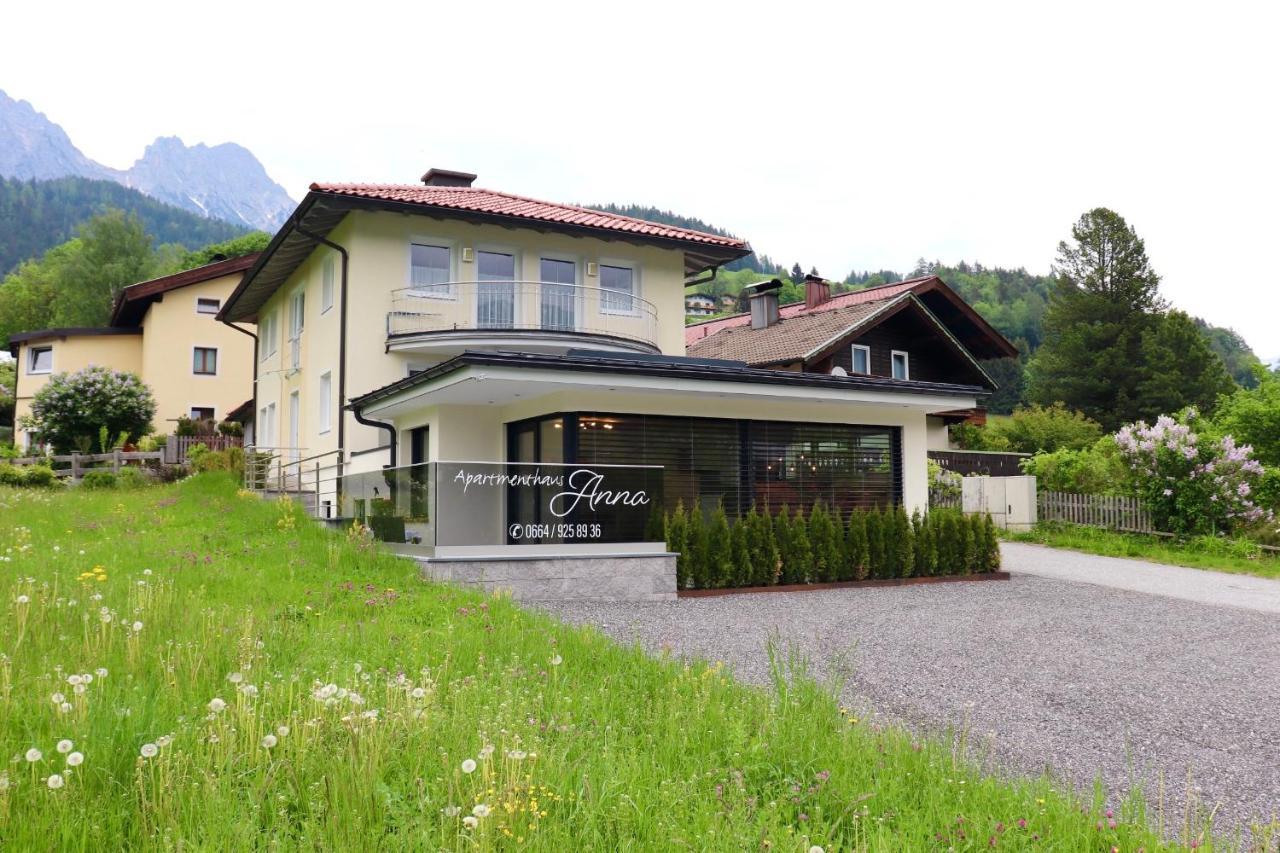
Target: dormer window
<point x="861" y="359"/>
<point x="901" y="369"/>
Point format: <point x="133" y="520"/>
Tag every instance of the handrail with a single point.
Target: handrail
<point x="422" y="290"/>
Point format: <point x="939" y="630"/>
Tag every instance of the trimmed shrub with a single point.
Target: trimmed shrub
<point x="742" y="572"/>
<point x="857" y="554"/>
<point x="718" y="567"/>
<point x="10" y="475"/>
<point x="797" y="564"/>
<point x="95" y="480"/>
<point x="875" y="544"/>
<point x="824" y="539"/>
<point x="901" y="544"/>
<point x="763" y="549"/>
<point x="677" y="538"/>
<point x="39" y="477"/>
<point x="781" y="524"/>
<point x="695" y="543"/>
<point x="132" y="478"/>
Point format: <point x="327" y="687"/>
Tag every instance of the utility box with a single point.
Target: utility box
<point x="1010" y="501"/>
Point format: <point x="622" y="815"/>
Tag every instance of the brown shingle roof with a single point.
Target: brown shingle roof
<point x="789" y="339"/>
<point x="131" y="304"/>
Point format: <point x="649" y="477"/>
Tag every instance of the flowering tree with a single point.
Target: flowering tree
<point x="73" y="408"/>
<point x="1191" y="483"/>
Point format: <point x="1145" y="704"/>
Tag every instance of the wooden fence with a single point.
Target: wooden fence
<point x="80" y="463"/>
<point x="980" y="462"/>
<point x="178" y="446"/>
<point x="1110" y="511"/>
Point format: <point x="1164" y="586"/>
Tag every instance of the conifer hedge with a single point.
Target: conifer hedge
<point x="790" y="547"/>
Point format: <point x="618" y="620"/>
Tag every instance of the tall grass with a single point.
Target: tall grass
<point x="234" y="677"/>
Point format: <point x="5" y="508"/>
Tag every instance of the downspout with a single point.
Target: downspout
<point x="229" y="324"/>
<point x="710" y="277"/>
<point x="342" y="338"/>
<point x="390" y="428"/>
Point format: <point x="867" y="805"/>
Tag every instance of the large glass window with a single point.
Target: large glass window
<point x="558" y="296"/>
<point x="430" y="270"/>
<point x="619" y="286"/>
<point x="495" y="294"/>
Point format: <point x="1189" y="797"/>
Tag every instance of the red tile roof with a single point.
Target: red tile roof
<point x="698" y="331"/>
<point x="491" y="202"/>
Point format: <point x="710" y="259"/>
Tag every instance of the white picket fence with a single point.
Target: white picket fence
<point x="1110" y="511"/>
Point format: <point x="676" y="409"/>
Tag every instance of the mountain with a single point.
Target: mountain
<point x="35" y="216"/>
<point x="223" y="182"/>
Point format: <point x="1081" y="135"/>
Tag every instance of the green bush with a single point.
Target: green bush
<point x="74" y="408"/>
<point x="791" y="548"/>
<point x="132" y="478"/>
<point x="1095" y="470"/>
<point x="1031" y="429"/>
<point x="10" y="475"/>
<point x="95" y="480"/>
<point x="39" y="477"/>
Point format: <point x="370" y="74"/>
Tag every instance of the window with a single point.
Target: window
<point x="204" y="361"/>
<point x="208" y="305"/>
<point x="326" y="402"/>
<point x="900" y="368"/>
<point x="557" y="294"/>
<point x="326" y="285"/>
<point x="861" y="359"/>
<point x="201" y="413"/>
<point x="619" y="286"/>
<point x="429" y="270"/>
<point x="40" y="360"/>
<point x="297" y="313"/>
<point x="267" y="337"/>
<point x="496" y="292"/>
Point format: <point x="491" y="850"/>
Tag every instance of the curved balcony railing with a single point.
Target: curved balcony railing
<point x="522" y="306"/>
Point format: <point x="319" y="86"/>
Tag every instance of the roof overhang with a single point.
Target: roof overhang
<point x="320" y="212"/>
<point x="131" y="304"/>
<point x="20" y="338"/>
<point x="488" y="378"/>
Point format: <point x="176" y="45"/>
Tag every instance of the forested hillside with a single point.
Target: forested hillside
<point x="35" y="216"/>
<point x="753" y="261"/>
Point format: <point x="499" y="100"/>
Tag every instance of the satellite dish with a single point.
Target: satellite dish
<point x="839" y="371"/>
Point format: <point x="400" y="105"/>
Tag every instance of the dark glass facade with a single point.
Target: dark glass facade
<point x="707" y="461"/>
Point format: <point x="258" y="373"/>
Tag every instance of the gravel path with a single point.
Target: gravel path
<point x="1070" y="677"/>
<point x="1199" y="585"/>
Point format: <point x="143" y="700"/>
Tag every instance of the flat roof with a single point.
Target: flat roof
<point x="666" y="366"/>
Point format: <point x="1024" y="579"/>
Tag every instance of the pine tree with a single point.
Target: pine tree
<point x="949" y="562"/>
<point x="677" y="530"/>
<point x="798" y="566"/>
<point x="782" y="536"/>
<point x="764" y="549"/>
<point x="928" y="545"/>
<point x="992" y="542"/>
<point x="857" y="555"/>
<point x="965" y="544"/>
<point x="919" y="566"/>
<point x="903" y="548"/>
<point x="1179" y="368"/>
<point x="719" y="550"/>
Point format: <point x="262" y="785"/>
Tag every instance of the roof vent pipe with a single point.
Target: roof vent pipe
<point x="763" y="296"/>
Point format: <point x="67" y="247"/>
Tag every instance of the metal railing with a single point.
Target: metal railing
<point x="283" y="471"/>
<point x="541" y="306"/>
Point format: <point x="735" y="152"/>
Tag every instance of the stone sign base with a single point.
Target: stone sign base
<point x="608" y="577"/>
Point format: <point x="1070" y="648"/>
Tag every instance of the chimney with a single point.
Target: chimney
<point x="447" y="178"/>
<point x="817" y="290"/>
<point x="764" y="302"/>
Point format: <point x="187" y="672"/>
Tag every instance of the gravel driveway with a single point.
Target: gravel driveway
<point x="1070" y="676"/>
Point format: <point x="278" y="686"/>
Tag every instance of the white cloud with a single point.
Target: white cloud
<point x="858" y="137"/>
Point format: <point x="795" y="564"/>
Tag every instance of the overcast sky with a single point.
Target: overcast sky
<point x="856" y="138"/>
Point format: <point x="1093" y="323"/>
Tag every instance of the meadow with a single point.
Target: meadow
<point x="189" y="667"/>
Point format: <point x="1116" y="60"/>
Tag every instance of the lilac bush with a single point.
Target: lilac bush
<point x="1190" y="482"/>
<point x="76" y="406"/>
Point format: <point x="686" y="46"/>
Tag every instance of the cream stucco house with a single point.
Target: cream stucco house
<point x="455" y="357"/>
<point x="164" y="330"/>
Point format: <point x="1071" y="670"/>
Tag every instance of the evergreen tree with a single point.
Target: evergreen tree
<point x="1178" y="368"/>
<point x="1105" y="297"/>
<point x="696" y="543"/>
<point x="876" y="543"/>
<point x="857" y="554"/>
<point x="825" y="541"/>
<point x="901" y="547"/>
<point x="965" y="546"/>
<point x="928" y="546"/>
<point x="764" y="549"/>
<point x="719" y="550"/>
<point x="742" y="573"/>
<point x="798" y="566"/>
<point x="677" y="531"/>
<point x="950" y="559"/>
<point x="782" y="536"/>
<point x="919" y="566"/>
<point x="992" y="543"/>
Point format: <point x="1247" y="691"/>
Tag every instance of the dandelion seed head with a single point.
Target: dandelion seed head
<point x="75" y="759"/>
<point x="468" y="765"/>
<point x="282" y="731"/>
<point x="149" y="750"/>
<point x="235" y="678"/>
<point x="216" y="705"/>
<point x="34" y="755"/>
<point x="55" y="781"/>
<point x="269" y="741"/>
<point x="470" y="822"/>
<point x="480" y="810"/>
<point x="65" y="746"/>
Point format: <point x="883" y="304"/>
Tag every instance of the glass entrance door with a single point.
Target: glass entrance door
<point x="557" y="295"/>
<point x="496" y="290"/>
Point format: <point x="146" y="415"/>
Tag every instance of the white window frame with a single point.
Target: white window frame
<point x="517" y="270"/>
<point x="214" y="299"/>
<point x="325" y="393"/>
<point x="635" y="286"/>
<point x="271" y="422"/>
<point x="31" y="360"/>
<point x="297" y="303"/>
<point x="328" y="277"/>
<point x="906" y="364"/>
<point x="447" y="294"/>
<point x="267" y="337"/>
<point x="217" y="360"/>
<point x="853" y="359"/>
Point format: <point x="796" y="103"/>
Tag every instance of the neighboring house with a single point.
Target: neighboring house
<point x="918" y="330"/>
<point x="440" y="322"/>
<point x="165" y="331"/>
<point x="728" y="302"/>
<point x="699" y="305"/>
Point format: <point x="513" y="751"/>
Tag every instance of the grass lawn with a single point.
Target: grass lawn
<point x="1200" y="552"/>
<point x="225" y="675"/>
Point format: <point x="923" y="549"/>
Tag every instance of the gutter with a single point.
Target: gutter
<point x="232" y="325"/>
<point x="393" y="439"/>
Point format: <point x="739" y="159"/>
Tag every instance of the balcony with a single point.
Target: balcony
<point x="528" y="315"/>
